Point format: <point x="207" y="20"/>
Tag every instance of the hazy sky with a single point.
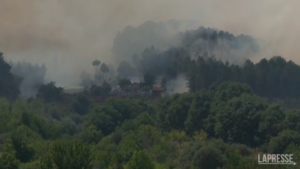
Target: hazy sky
<point x="68" y="35"/>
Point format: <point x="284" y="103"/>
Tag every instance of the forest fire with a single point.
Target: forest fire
<point x="82" y="85"/>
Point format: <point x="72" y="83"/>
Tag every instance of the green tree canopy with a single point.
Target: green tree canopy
<point x="149" y="79"/>
<point x="8" y="158"/>
<point x="9" y="85"/>
<point x="67" y="155"/>
<point x="140" y="160"/>
<point x="50" y="93"/>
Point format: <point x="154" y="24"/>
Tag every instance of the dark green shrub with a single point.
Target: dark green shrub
<point x="67" y="155"/>
<point x="208" y="157"/>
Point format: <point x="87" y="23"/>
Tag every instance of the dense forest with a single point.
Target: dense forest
<point x="229" y="115"/>
<point x="273" y="78"/>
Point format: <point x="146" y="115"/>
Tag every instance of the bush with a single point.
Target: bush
<point x="50" y="93"/>
<point x="234" y="160"/>
<point x="32" y="165"/>
<point x="67" y="155"/>
<point x="104" y="89"/>
<point x="241" y="149"/>
<point x="116" y="137"/>
<point x="91" y="135"/>
<point x="8" y="158"/>
<point x="208" y="157"/>
<point x="44" y="128"/>
<point x="144" y="119"/>
<point x="279" y="143"/>
<point x="54" y="111"/>
<point x="81" y="104"/>
<point x="77" y="119"/>
<point x="68" y="126"/>
<point x="140" y="160"/>
<point x="21" y="140"/>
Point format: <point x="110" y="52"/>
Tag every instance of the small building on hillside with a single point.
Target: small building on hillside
<point x="157" y="90"/>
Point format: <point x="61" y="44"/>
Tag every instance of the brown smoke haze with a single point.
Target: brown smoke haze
<point x="67" y="35"/>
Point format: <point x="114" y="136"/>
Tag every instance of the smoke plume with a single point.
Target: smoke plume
<point x="68" y="35"/>
<point x="178" y="85"/>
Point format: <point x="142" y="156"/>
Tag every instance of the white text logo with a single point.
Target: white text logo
<point x="286" y="159"/>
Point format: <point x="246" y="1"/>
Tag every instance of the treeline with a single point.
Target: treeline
<point x="225" y="126"/>
<point x="165" y="35"/>
<point x="167" y="64"/>
<point x="28" y="70"/>
<point x="218" y="43"/>
<point x="9" y="83"/>
<point x="176" y="58"/>
<point x="273" y="78"/>
<point x="20" y="78"/>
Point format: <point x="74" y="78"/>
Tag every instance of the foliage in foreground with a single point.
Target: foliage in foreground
<point x="225" y="126"/>
<point x="67" y="155"/>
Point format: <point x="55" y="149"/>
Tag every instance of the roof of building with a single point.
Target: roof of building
<point x="158" y="89"/>
<point x="135" y="83"/>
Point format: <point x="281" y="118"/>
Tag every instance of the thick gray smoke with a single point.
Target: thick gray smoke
<point x="68" y="35"/>
<point x="219" y="44"/>
<point x="32" y="76"/>
<point x="177" y="85"/>
<point x="168" y="56"/>
<point x="161" y="35"/>
<point x="200" y="41"/>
